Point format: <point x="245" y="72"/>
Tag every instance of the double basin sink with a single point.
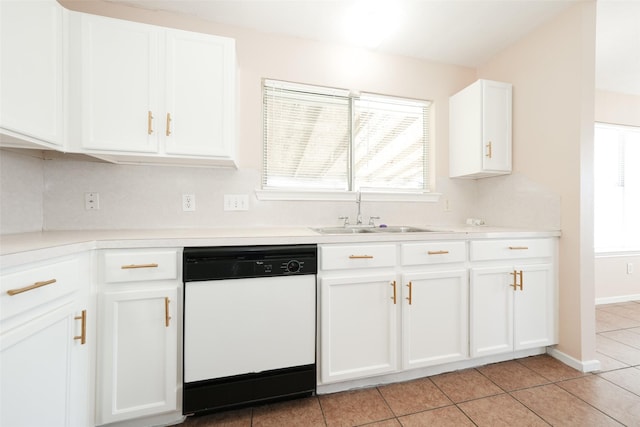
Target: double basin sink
<point x="365" y="229"/>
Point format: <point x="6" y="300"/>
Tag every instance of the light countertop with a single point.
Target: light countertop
<point x="28" y="247"/>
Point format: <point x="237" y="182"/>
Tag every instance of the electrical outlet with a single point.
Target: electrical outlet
<point x="629" y="268"/>
<point x="91" y="201"/>
<point x="236" y="202"/>
<point x="188" y="202"/>
<point x="447" y="205"/>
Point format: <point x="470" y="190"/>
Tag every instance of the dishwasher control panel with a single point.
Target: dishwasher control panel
<point x="236" y="262"/>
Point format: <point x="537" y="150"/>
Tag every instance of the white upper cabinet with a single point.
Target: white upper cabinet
<point x="200" y="94"/>
<point x="32" y="73"/>
<point x="153" y="95"/>
<point x="480" y="130"/>
<point x="119" y="75"/>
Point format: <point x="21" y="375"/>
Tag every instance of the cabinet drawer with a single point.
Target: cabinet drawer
<point x="432" y="253"/>
<point x="485" y="250"/>
<point x="38" y="284"/>
<point x="357" y="256"/>
<point x="140" y="265"/>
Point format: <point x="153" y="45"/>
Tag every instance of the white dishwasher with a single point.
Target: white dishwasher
<point x="249" y="325"/>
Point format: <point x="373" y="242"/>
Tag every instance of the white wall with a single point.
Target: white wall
<point x="553" y="75"/>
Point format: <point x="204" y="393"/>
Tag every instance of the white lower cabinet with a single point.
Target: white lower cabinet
<point x="434" y="318"/>
<point x="513" y="306"/>
<point x="380" y="313"/>
<point x="387" y="308"/>
<point x="435" y="323"/>
<point x="358" y="331"/>
<point x="138" y="373"/>
<point x="45" y="344"/>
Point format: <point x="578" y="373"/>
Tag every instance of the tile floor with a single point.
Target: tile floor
<point x="532" y="391"/>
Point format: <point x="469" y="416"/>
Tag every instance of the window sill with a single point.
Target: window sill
<point x="607" y="253"/>
<point x="351" y="196"/>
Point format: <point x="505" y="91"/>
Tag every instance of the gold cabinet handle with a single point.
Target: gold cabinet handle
<point x="131" y="266"/>
<point x="489" y="152"/>
<point x="437" y="252"/>
<point x="518" y="248"/>
<point x="521" y="279"/>
<point x="167" y="318"/>
<point x="168" y="130"/>
<point x="360" y="256"/>
<point x="410" y="297"/>
<point x="395" y="293"/>
<point x="36" y="285"/>
<point x="150" y="123"/>
<point x="83" y="332"/>
<point x="515" y="284"/>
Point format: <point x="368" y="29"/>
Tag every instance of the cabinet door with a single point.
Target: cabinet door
<point x="31" y="71"/>
<point x="358" y="330"/>
<point x="534" y="307"/>
<point x="120" y="110"/>
<point x="137" y="362"/>
<point x="200" y="89"/>
<point x="42" y="365"/>
<point x="491" y="311"/>
<point x="496" y="126"/>
<point x="434" y="318"/>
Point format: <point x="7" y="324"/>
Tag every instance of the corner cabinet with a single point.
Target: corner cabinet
<point x="32" y="35"/>
<point x="138" y="374"/>
<point x="513" y="297"/>
<point x="480" y="130"/>
<point x="47" y="340"/>
<point x="150" y="94"/>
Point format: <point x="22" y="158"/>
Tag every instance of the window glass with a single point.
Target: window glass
<point x="617" y="187"/>
<point x="319" y="138"/>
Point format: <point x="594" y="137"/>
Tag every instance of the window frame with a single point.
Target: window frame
<point x="423" y="195"/>
<point x="622" y="246"/>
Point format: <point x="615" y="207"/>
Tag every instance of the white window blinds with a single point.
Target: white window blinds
<point x="306" y="137"/>
<point x="391" y="143"/>
<point x="319" y="138"/>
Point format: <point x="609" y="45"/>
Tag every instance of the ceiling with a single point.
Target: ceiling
<point x="463" y="32"/>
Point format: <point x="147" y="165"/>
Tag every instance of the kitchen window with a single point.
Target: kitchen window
<point x="319" y="139"/>
<point x="617" y="187"/>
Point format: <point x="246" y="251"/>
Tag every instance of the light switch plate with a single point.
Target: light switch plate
<point x="236" y="202"/>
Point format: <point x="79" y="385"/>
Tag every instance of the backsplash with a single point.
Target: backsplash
<point x="49" y="195"/>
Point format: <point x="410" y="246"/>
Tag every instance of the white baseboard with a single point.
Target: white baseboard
<point x="613" y="300"/>
<point x="582" y="366"/>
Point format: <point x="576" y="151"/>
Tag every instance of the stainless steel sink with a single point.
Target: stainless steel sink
<point x="343" y="230"/>
<point x="361" y="230"/>
<point x="400" y="229"/>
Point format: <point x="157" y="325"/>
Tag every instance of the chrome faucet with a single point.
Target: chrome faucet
<point x="359" y="201"/>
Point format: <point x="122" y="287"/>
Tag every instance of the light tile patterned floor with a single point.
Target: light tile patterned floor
<point x="535" y="391"/>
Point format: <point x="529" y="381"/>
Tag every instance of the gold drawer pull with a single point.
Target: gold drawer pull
<point x="83" y="333"/>
<point x="130" y="266"/>
<point x="518" y="248"/>
<point x="360" y="256"/>
<point x="410" y="297"/>
<point x="36" y="285"/>
<point x="438" y="252"/>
